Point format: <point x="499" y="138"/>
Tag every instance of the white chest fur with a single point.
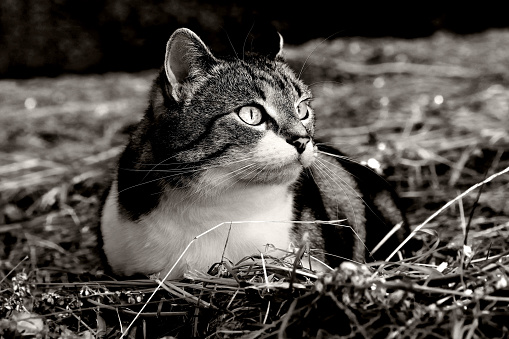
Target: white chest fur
<point x="155" y="242"/>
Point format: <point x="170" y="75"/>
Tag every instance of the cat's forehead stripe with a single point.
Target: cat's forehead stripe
<point x="256" y="86"/>
<point x="273" y="75"/>
<point x="282" y="82"/>
<point x="259" y="91"/>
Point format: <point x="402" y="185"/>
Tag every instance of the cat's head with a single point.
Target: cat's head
<point x="245" y="119"/>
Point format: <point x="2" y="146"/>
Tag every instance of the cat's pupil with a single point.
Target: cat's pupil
<point x="251" y="115"/>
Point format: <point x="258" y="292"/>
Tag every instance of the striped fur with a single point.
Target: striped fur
<point x="197" y="159"/>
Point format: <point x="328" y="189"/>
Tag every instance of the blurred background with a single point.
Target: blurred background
<point x="51" y="37"/>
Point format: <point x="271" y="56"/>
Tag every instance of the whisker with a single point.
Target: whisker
<point x="325" y="168"/>
<point x="253" y="169"/>
<point x="160" y="163"/>
<point x="199" y="191"/>
<point x="325" y="82"/>
<point x="223" y="178"/>
<point x="261" y="169"/>
<point x="154" y="180"/>
<point x="355" y="162"/>
<point x="197" y="167"/>
<point x="339" y="144"/>
<point x="231" y="44"/>
<point x="245" y="40"/>
<point x="353" y="191"/>
<point x="314" y="49"/>
<point x="153" y="168"/>
<point x="183" y="171"/>
<point x="338" y="156"/>
<point x="329" y="173"/>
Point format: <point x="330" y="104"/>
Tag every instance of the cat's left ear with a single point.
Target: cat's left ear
<point x="186" y="57"/>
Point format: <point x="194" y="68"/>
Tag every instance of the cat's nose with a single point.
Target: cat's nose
<point x="299" y="143"/>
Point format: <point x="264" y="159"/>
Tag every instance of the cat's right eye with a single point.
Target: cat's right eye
<point x="251" y="115"/>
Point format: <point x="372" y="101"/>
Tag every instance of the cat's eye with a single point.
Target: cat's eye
<point x="251" y="115"/>
<point x="303" y="110"/>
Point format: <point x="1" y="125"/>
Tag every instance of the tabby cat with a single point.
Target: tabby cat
<point x="231" y="139"/>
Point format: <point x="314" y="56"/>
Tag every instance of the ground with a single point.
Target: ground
<point x="433" y="112"/>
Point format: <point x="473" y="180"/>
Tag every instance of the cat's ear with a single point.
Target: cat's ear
<point x="279" y="53"/>
<point x="186" y="56"/>
<point x="266" y="41"/>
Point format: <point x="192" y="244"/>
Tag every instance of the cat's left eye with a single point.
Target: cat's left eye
<point x="251" y="115"/>
<point x="303" y="110"/>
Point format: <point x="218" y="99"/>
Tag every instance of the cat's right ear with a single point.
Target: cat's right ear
<point x="186" y="56"/>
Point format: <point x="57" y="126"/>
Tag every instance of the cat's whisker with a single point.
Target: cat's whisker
<point x="314" y="49"/>
<point x="310" y="173"/>
<point x="329" y="174"/>
<point x="338" y="156"/>
<point x="231" y="44"/>
<point x="200" y="190"/>
<point x="339" y="144"/>
<point x="326" y="82"/>
<point x="171" y="170"/>
<point x="233" y="174"/>
<point x="261" y="169"/>
<point x="324" y="163"/>
<point x="367" y="168"/>
<point x="225" y="177"/>
<point x="162" y="162"/>
<point x="245" y="40"/>
<point x="354" y="191"/>
<point x="153" y="168"/>
<point x="353" y="161"/>
<point x="246" y="172"/>
<point x="204" y="168"/>
<point x="178" y="173"/>
<point x="198" y="167"/>
<point x="151" y="181"/>
<point x="179" y="163"/>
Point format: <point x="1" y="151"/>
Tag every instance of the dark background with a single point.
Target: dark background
<point x="50" y="37"/>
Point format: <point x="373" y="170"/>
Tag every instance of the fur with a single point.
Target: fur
<point x="155" y="241"/>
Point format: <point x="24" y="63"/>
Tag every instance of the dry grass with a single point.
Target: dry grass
<point x="434" y="112"/>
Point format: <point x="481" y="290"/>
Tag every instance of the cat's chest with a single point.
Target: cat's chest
<point x="241" y="223"/>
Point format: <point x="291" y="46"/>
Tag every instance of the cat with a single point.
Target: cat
<point x="232" y="139"/>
